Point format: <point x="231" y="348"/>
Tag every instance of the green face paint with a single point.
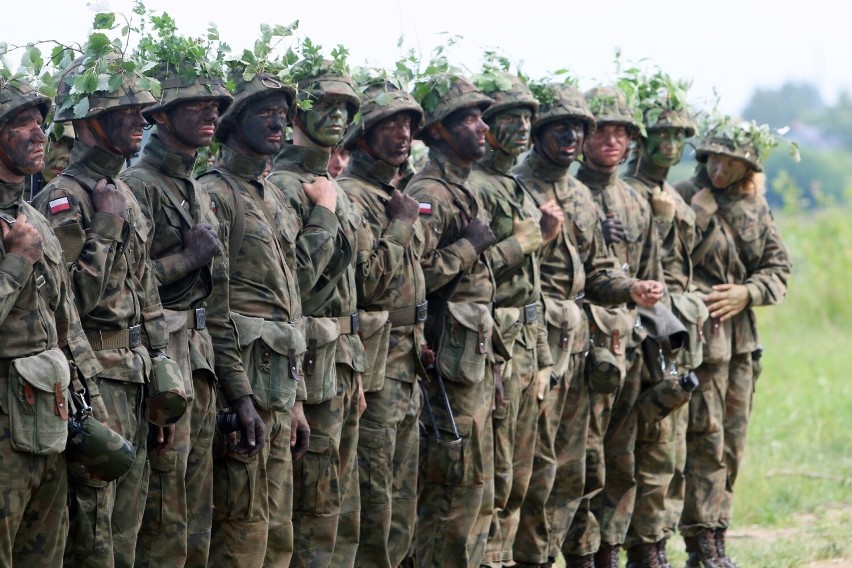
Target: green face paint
<point x="664" y="147"/>
<point x="325" y="122"/>
<point x="511" y="129"/>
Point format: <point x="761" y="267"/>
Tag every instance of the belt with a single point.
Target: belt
<point x="410" y="315"/>
<point x="349" y="324"/>
<point x="529" y="313"/>
<point x="196" y="318"/>
<point x="120" y="339"/>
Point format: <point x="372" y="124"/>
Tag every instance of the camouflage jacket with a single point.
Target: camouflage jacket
<point x="107" y="257"/>
<point x="388" y="274"/>
<point x="518" y="276"/>
<point x="739" y="244"/>
<point x="161" y="168"/>
<point x="37" y="309"/>
<point x="326" y="244"/>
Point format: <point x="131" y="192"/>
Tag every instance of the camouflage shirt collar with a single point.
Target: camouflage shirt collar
<point x="309" y="159"/>
<point x="647" y="171"/>
<point x="172" y="163"/>
<point x="498" y="161"/>
<point x="376" y="171"/>
<point x="95" y="159"/>
<point x="544" y="168"/>
<point x="241" y="165"/>
<point x="594" y="179"/>
<point x="11" y="194"/>
<point x="452" y="172"/>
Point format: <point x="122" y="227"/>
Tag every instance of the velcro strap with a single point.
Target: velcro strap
<point x="349" y="324"/>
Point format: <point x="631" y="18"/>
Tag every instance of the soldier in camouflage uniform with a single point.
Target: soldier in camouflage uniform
<point x="574" y="264"/>
<point x="182" y="239"/>
<point x="392" y="306"/>
<point x="34" y="287"/>
<point x="456" y="493"/>
<point x="259" y="344"/>
<point x="660" y="461"/>
<point x="104" y="244"/>
<point x="324" y="225"/>
<point x="514" y="260"/>
<point x="632" y="238"/>
<point x="740" y="262"/>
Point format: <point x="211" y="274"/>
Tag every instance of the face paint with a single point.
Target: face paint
<point x="22" y="141"/>
<point x="607" y="146"/>
<point x="560" y="141"/>
<point x="664" y="146"/>
<point x="511" y="129"/>
<point x="725" y="171"/>
<point x="123" y="128"/>
<point x="325" y="122"/>
<point x="262" y="124"/>
<point x="467" y="131"/>
<point x="194" y="122"/>
<point x="56" y="158"/>
<point x="390" y="139"/>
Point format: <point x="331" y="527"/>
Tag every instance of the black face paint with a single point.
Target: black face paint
<point x="193" y="123"/>
<point x="467" y="131"/>
<point x="22" y="142"/>
<point x="123" y="129"/>
<point x="261" y="124"/>
<point x="390" y="139"/>
<point x="560" y="141"/>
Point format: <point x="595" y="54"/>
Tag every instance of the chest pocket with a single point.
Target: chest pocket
<point x="749" y="234"/>
<point x="502" y="220"/>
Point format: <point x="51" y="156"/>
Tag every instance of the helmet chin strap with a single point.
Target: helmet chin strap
<point x="95" y="123"/>
<point x="364" y="147"/>
<point x="445" y="136"/>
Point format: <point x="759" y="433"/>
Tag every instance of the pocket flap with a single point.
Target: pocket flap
<point x="371" y="322"/>
<point x="44" y="370"/>
<point x="608" y="320"/>
<point x="323" y="330"/>
<point x="557" y="312"/>
<point x="174" y="320"/>
<point x="690" y="307"/>
<point x="248" y="329"/>
<point x="472" y="315"/>
<point x="284" y="337"/>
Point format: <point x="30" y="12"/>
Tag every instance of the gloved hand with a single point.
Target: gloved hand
<point x="613" y="230"/>
<point x="402" y="207"/>
<point x="528" y="234"/>
<point x="542" y="379"/>
<point x="109" y="199"/>
<point x="200" y="245"/>
<point x="479" y="234"/>
<point x="662" y="204"/>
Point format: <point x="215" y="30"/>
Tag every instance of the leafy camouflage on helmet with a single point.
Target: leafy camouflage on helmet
<point x="105" y="453"/>
<point x="560" y="101"/>
<point x="610" y="106"/>
<point x="319" y="78"/>
<point x="17" y="95"/>
<point x="166" y="395"/>
<point x="380" y="101"/>
<point x="507" y="90"/>
<point x="58" y="130"/>
<point x="660" y="98"/>
<point x="183" y="84"/>
<point x="670" y="119"/>
<point x="746" y="141"/>
<point x="442" y="94"/>
<point x="245" y="91"/>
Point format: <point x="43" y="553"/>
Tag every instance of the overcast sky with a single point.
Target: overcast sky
<point x="732" y="45"/>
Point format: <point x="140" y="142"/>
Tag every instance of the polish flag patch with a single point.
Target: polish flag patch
<point x="59" y="205"/>
<point x="425" y="208"/>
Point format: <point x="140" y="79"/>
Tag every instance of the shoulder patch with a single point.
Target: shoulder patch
<point x="59" y="205"/>
<point x="425" y="208"/>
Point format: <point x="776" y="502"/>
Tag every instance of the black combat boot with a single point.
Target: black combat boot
<point x="724" y="560"/>
<point x="661" y="554"/>
<point x="587" y="561"/>
<point x="634" y="557"/>
<point x="607" y="556"/>
<point x="702" y="551"/>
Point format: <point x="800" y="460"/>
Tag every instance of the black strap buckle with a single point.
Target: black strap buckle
<point x="530" y="313"/>
<point x="200" y="318"/>
<point x="356" y="322"/>
<point x="135" y="336"/>
<point x="421" y="311"/>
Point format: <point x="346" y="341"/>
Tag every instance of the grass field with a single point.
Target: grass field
<point x="794" y="496"/>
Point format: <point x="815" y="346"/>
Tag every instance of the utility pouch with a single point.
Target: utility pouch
<point x="465" y="342"/>
<point x="321" y="335"/>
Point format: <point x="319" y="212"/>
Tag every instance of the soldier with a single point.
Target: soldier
<point x="661" y="447"/>
<point x="60" y="140"/>
<point x="740" y="262"/>
<point x="324" y="224"/>
<point x="632" y="238"/>
<point x="456" y="492"/>
<point x="104" y="244"/>
<point x="35" y="288"/>
<point x="519" y="312"/>
<point x="392" y="305"/>
<point x="575" y="264"/>
<point x="182" y="240"/>
<point x="252" y="481"/>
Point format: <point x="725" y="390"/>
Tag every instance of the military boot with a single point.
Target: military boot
<point x="702" y="551"/>
<point x="607" y="556"/>
<point x="662" y="556"/>
<point x="587" y="561"/>
<point x="643" y="556"/>
<point x="724" y="560"/>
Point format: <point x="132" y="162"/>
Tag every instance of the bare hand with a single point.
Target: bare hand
<point x="552" y="217"/>
<point x="322" y="191"/>
<point x="528" y="234"/>
<point x="402" y="207"/>
<point x="727" y="300"/>
<point x="646" y="293"/>
<point x="662" y="204"/>
<point x="613" y="230"/>
<point x="362" y="400"/>
<point x="201" y="244"/>
<point x="479" y="234"/>
<point x="22" y="239"/>
<point x="300" y="431"/>
<point x="705" y="200"/>
<point x="252" y="428"/>
<point x="109" y="199"/>
<point x="162" y="439"/>
<point x="542" y="379"/>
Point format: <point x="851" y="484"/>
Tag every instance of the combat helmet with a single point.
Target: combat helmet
<point x="728" y="139"/>
<point x="507" y="90"/>
<point x="610" y="106"/>
<point x="17" y="95"/>
<point x="561" y="101"/>
<point x="181" y="84"/>
<point x="669" y="119"/>
<point x="324" y="78"/>
<point x="126" y="94"/>
<point x="260" y="85"/>
<point x="380" y="101"/>
<point x="445" y="93"/>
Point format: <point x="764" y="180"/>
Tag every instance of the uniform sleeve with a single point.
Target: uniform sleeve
<point x="542" y="345"/>
<point x="15" y="271"/>
<point x="650" y="265"/>
<point x="152" y="309"/>
<point x="767" y="283"/>
<point x="69" y="331"/>
<point x="605" y="284"/>
<point x="380" y="260"/>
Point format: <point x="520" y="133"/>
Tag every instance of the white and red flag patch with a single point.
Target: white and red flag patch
<point x="425" y="208"/>
<point x="59" y="205"/>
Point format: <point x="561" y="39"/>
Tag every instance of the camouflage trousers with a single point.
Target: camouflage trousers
<point x="179" y="510"/>
<point x="677" y="487"/>
<point x="105" y="516"/>
<point x="718" y="420"/>
<point x="456" y="492"/>
<point x="515" y="426"/>
<point x="252" y="501"/>
<point x="388" y="452"/>
<point x="326" y="496"/>
<point x="33" y="514"/>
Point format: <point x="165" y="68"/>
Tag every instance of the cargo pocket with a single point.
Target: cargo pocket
<point x="374" y="331"/>
<point x="319" y="493"/>
<point x="465" y="342"/>
<point x="563" y="317"/>
<point x="38" y="402"/>
<point x="446" y="463"/>
<point x="717" y="336"/>
<point x="375" y="454"/>
<point x="702" y="418"/>
<point x="691" y="310"/>
<point x="611" y="328"/>
<point x="319" y="363"/>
